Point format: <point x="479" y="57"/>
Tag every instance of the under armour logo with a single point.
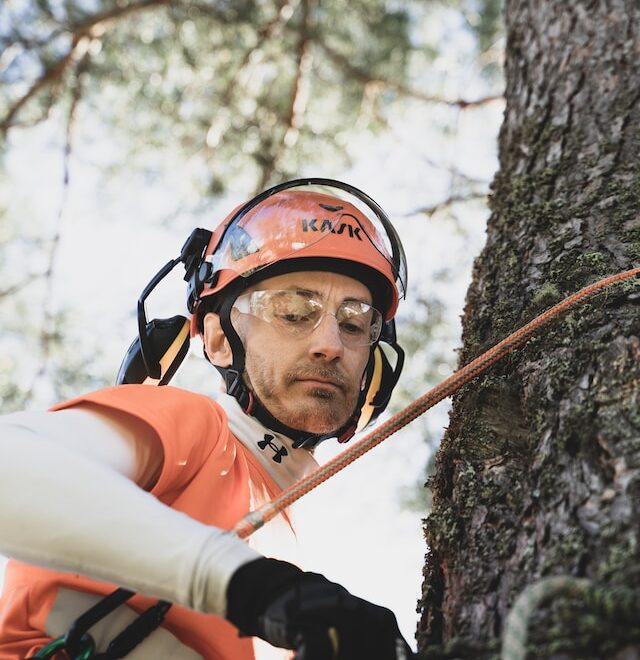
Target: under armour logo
<point x="279" y="452"/>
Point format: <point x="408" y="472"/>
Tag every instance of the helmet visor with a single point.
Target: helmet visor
<point x="285" y="222"/>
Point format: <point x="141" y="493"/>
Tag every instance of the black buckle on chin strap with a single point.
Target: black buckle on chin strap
<point x="236" y="389"/>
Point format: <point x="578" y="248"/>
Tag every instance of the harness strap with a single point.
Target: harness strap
<point x="78" y="643"/>
<point x="80" y="627"/>
<point x="136" y="632"/>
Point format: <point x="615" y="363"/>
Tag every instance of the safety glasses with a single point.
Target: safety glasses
<point x="298" y="313"/>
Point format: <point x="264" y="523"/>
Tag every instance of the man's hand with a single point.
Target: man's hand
<point x="321" y="620"/>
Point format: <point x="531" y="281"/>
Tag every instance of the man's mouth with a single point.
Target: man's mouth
<point x="320" y="380"/>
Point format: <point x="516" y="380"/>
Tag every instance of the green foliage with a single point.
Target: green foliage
<point x="235" y="85"/>
<point x="247" y="89"/>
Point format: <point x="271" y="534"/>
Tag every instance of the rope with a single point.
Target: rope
<point x="617" y="604"/>
<point x="514" y="642"/>
<point x="256" y="519"/>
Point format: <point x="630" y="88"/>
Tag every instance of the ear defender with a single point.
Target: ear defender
<point x="380" y="383"/>
<point x="162" y="344"/>
<point x="167" y="345"/>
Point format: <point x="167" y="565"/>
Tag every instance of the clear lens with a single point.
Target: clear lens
<point x="298" y="313"/>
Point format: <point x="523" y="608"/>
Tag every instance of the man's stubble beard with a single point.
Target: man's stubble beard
<point x="327" y="410"/>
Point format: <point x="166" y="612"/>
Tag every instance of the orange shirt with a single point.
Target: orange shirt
<point x="207" y="473"/>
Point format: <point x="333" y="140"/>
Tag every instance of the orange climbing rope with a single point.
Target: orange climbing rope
<point x="256" y="519"/>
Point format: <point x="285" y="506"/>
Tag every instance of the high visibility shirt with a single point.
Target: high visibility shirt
<point x="218" y="465"/>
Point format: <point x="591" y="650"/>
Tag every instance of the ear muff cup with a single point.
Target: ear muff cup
<point x="380" y="383"/>
<point x="169" y="340"/>
<point x="374" y="380"/>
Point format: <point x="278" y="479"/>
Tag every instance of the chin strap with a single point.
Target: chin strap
<point x="251" y="405"/>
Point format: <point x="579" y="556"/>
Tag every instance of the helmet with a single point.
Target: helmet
<point x="305" y="224"/>
<point x="285" y="224"/>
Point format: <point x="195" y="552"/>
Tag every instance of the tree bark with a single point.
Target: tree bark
<point x="539" y="471"/>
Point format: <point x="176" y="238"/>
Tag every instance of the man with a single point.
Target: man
<point x="134" y="485"/>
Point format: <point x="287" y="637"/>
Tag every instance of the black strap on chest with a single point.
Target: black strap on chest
<point x="79" y="645"/>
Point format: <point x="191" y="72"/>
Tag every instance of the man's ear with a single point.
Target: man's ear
<point x="215" y="343"/>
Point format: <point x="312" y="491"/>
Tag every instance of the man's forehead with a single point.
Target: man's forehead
<point x="321" y="282"/>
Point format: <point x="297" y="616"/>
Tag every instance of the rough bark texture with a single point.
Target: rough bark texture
<point x="539" y="472"/>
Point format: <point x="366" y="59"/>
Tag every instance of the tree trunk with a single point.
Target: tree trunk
<point x="539" y="472"/>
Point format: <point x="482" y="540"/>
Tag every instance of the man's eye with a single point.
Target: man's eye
<point x="352" y="328"/>
<point x="298" y="314"/>
<point x="292" y="317"/>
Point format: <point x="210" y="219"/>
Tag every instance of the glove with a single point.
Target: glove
<point x="321" y="620"/>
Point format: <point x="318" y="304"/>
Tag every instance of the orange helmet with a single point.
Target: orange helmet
<point x="285" y="229"/>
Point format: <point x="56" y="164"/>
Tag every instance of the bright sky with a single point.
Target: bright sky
<point x="354" y="528"/>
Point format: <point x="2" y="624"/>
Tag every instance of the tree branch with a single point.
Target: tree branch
<point x="430" y="211"/>
<point x="47" y="330"/>
<point x="14" y="288"/>
<point x="218" y="125"/>
<point x="101" y="20"/>
<point x="49" y="76"/>
<point x="84" y="31"/>
<point x="294" y="118"/>
<point x="343" y="63"/>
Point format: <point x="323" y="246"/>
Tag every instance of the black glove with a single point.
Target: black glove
<point x="321" y="620"/>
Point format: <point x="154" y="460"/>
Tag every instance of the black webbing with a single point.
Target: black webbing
<point x="124" y="642"/>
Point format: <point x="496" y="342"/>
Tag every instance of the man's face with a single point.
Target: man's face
<point x="310" y="383"/>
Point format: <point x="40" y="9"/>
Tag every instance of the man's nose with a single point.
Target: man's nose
<point x="325" y="340"/>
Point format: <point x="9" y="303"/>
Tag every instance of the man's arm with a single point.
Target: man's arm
<point x="70" y="502"/>
<point x="114" y="439"/>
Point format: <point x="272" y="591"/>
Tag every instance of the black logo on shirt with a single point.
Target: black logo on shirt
<point x="279" y="452"/>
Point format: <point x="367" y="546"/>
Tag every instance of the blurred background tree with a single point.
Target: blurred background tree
<point x="215" y="100"/>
